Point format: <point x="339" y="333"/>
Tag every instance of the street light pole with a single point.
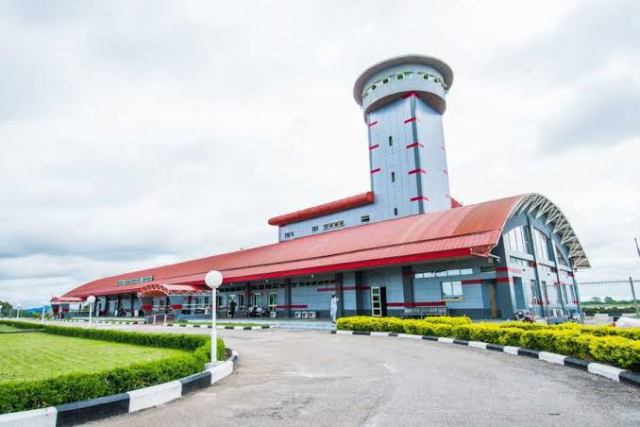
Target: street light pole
<point x="18" y="313"/>
<point x="213" y="280"/>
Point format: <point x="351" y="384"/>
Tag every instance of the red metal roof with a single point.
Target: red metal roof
<point x="325" y="209"/>
<point x="461" y="232"/>
<point x="65" y="299"/>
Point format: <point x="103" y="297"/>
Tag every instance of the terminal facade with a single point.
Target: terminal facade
<point x="405" y="247"/>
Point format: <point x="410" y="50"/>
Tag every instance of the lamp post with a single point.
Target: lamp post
<point x="1" y="310"/>
<point x="213" y="280"/>
<point x="18" y="306"/>
<point x="42" y="316"/>
<point x="91" y="299"/>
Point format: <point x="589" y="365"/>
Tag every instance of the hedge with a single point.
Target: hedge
<point x="24" y="395"/>
<point x="569" y="340"/>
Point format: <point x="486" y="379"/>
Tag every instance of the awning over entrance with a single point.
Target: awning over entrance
<point x="158" y="290"/>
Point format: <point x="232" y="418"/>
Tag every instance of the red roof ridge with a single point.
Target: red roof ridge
<point x="324" y="209"/>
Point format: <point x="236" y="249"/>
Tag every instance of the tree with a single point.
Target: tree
<point x="609" y="300"/>
<point x="6" y="308"/>
<point x="596" y="300"/>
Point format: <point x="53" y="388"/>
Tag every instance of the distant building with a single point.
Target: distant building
<point x="406" y="247"/>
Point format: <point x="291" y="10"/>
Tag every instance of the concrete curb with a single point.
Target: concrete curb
<point x="84" y="411"/>
<point x="177" y="325"/>
<point x="607" y="371"/>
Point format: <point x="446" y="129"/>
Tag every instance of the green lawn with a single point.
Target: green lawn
<point x="6" y="328"/>
<point x="31" y="356"/>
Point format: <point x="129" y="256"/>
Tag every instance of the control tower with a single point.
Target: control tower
<point x="403" y="99"/>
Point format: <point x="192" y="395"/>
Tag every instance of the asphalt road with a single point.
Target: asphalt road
<point x="313" y="378"/>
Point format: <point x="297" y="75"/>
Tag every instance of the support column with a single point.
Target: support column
<point x="287" y="296"/>
<point x="339" y="294"/>
<point x="132" y="305"/>
<point x="247" y="296"/>
<point x="357" y="282"/>
<point x="407" y="286"/>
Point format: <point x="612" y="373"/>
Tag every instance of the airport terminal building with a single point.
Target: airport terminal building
<point x="404" y="247"/>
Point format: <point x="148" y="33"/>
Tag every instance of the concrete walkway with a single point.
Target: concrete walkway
<point x="292" y="378"/>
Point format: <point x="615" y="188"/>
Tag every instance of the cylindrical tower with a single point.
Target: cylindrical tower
<point x="403" y="99"/>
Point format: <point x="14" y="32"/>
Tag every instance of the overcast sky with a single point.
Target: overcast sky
<point x="135" y="134"/>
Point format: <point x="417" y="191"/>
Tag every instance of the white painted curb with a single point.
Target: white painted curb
<point x="45" y="417"/>
<point x="341" y="332"/>
<point x="605" y="371"/>
<point x="556" y="358"/>
<point x="478" y="344"/>
<point x="155" y="395"/>
<point x="379" y="334"/>
<point x="410" y="336"/>
<point x="511" y="350"/>
<point x="445" y="340"/>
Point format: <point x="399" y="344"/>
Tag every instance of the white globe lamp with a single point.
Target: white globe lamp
<point x="213" y="280"/>
<point x="91" y="300"/>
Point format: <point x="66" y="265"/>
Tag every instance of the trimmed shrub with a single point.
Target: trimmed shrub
<point x="585" y="342"/>
<point x="25" y="395"/>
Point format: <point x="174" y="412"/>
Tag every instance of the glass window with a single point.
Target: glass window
<point x="314" y="229"/>
<point x="395" y="211"/>
<point x="390" y="141"/>
<point x="441" y="273"/>
<point x="393" y="177"/>
<point x="364" y="218"/>
<point x="257" y="300"/>
<point x="451" y="290"/>
<point x="464" y="271"/>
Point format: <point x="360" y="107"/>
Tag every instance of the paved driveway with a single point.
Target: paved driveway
<point x="313" y="378"/>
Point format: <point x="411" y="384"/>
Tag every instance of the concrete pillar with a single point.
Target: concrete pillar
<point x="407" y="285"/>
<point x="361" y="293"/>
<point x="287" y="297"/>
<point x="340" y="294"/>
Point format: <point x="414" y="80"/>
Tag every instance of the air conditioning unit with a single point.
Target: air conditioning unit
<point x="273" y="314"/>
<point x="297" y="314"/>
<point x="305" y="314"/>
<point x="312" y="315"/>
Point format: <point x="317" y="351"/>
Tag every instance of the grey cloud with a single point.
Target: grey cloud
<point x="600" y="115"/>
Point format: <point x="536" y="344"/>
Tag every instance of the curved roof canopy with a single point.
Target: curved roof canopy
<point x="472" y="230"/>
<point x="324" y="209"/>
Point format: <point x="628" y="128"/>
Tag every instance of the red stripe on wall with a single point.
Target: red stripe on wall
<point x="415" y="199"/>
<point x="373" y="147"/>
<point x="419" y="170"/>
<point x="502" y="280"/>
<point x="409" y="120"/>
<point x="409" y="95"/>
<point x="373" y="123"/>
<point x="176" y="306"/>
<point x="375" y="170"/>
<point x="415" y="144"/>
<point x="417" y="304"/>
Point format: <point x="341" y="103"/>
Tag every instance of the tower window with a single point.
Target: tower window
<point x="400" y="76"/>
<point x="390" y="141"/>
<point x="364" y="218"/>
<point x="395" y="211"/>
<point x="288" y="235"/>
<point x="314" y="229"/>
<point x="385" y="81"/>
<point x="393" y="177"/>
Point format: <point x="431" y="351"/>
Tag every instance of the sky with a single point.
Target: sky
<point x="140" y="133"/>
